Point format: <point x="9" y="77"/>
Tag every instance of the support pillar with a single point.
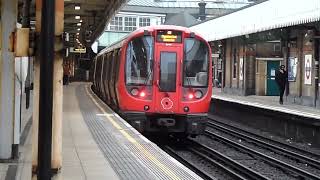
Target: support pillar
<point x="285" y="39"/>
<point x="36" y="92"/>
<point x="57" y="87"/>
<point x="316" y="63"/>
<point x="7" y="64"/>
<point x="250" y="70"/>
<point x="26" y="24"/>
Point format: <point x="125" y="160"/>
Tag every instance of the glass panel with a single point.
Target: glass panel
<point x="116" y="24"/>
<point x="143" y="21"/>
<point x="130" y="23"/>
<point x="139" y="62"/>
<point x="168" y="63"/>
<point x="195" y="63"/>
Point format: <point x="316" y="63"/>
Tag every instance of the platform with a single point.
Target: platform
<point x="19" y="168"/>
<point x="291" y="121"/>
<point x="99" y="145"/>
<point x="268" y="103"/>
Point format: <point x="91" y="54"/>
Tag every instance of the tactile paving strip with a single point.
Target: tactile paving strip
<point x="139" y="160"/>
<point x="120" y="157"/>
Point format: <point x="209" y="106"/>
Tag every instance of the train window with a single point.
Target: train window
<point x="195" y="64"/>
<point x="139" y="61"/>
<point x="168" y="64"/>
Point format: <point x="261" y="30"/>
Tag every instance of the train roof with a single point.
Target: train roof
<point x="120" y="43"/>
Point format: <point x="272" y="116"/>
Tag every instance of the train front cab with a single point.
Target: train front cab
<point x="170" y="86"/>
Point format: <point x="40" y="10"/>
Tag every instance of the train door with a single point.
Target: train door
<point x="167" y="79"/>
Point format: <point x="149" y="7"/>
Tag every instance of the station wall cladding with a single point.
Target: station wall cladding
<point x="298" y="128"/>
<point x="302" y="90"/>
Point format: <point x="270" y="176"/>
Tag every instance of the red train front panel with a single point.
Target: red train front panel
<point x="168" y="64"/>
<point x="165" y="74"/>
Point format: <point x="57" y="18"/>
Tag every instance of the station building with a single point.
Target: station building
<point x="247" y="50"/>
<point x="138" y="13"/>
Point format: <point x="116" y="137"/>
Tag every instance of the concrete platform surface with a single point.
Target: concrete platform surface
<point x="268" y="102"/>
<point x="98" y="145"/>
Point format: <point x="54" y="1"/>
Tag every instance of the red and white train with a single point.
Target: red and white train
<point x="158" y="78"/>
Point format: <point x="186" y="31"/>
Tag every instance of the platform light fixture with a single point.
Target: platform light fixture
<point x="78" y="29"/>
<point x="77" y="17"/>
<point x="80" y="20"/>
<point x="77" y="7"/>
<point x="77" y="34"/>
<point x="78" y="24"/>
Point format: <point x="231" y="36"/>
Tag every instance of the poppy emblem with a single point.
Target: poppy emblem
<point x="166" y="103"/>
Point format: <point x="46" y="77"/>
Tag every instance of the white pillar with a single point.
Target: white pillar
<point x="35" y="115"/>
<point x="7" y="85"/>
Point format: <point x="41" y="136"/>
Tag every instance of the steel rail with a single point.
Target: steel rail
<point x="190" y="165"/>
<point x="280" y="150"/>
<point x="288" y="146"/>
<point x="234" y="165"/>
<point x="271" y="160"/>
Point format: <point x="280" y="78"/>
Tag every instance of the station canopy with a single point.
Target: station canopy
<point x="210" y="4"/>
<point x="88" y="18"/>
<point x="264" y="16"/>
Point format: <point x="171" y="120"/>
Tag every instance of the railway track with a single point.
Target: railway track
<point x="189" y="164"/>
<point x="296" y="154"/>
<point x="231" y="168"/>
<point x="229" y="152"/>
<point x="291" y="151"/>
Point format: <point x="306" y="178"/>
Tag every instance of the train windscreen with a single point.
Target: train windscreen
<point x="195" y="64"/>
<point x="139" y="61"/>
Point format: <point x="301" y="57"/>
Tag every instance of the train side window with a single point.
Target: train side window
<point x="108" y="77"/>
<point x="109" y="68"/>
<point x="115" y="62"/>
<point x="105" y="64"/>
<point x="98" y="72"/>
<point x="118" y="63"/>
<point x="114" y="74"/>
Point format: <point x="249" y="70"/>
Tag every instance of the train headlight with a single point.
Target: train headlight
<point x="134" y="91"/>
<point x="198" y="94"/>
<point x="190" y="96"/>
<point x="142" y="94"/>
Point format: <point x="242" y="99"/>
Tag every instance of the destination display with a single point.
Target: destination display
<point x="169" y="36"/>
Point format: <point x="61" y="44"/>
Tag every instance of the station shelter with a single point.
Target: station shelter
<point x="247" y="49"/>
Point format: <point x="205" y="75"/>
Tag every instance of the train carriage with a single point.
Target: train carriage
<point x="158" y="78"/>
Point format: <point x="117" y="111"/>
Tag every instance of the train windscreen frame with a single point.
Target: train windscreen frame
<point x="195" y="63"/>
<point x="139" y="61"/>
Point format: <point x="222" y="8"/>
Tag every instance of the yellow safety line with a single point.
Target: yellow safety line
<point x="153" y="159"/>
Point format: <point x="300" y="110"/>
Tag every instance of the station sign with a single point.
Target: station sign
<point x="214" y="55"/>
<point x="78" y="50"/>
<point x="307" y="69"/>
